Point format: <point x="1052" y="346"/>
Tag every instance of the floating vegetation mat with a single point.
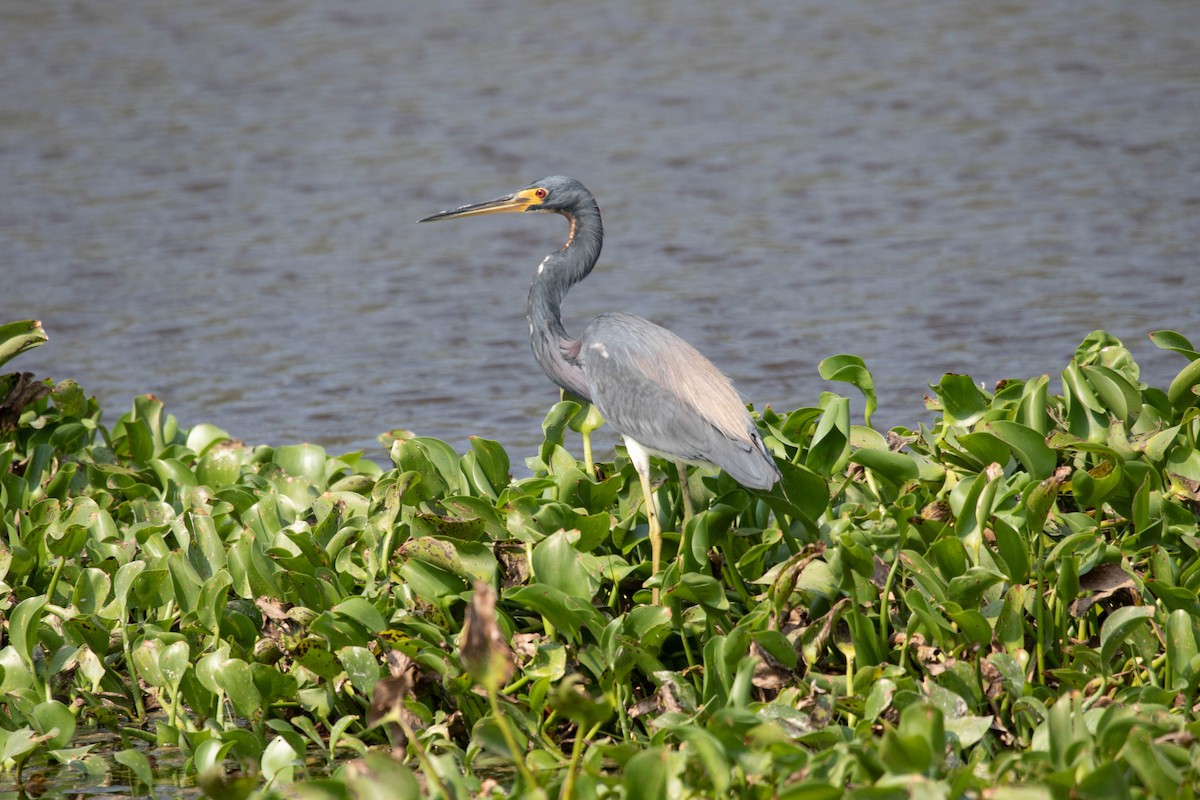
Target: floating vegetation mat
<point x="1000" y="604"/>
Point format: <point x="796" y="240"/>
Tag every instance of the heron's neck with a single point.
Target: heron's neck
<point x="555" y="351"/>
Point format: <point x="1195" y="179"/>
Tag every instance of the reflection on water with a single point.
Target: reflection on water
<point x="215" y="202"/>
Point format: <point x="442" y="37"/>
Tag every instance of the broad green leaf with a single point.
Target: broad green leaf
<point x="235" y="677"/>
<point x="313" y="654"/>
<point x="831" y="441"/>
<point x="1117" y="628"/>
<point x="896" y="467"/>
<point x="17" y="745"/>
<point x="279" y="761"/>
<point x="492" y="459"/>
<point x="487" y="734"/>
<point x="1182" y="391"/>
<point x="702" y="589"/>
<point x="853" y="370"/>
<point x="381" y="777"/>
<point x="173" y="662"/>
<point x="136" y="762"/>
<point x="1120" y="398"/>
<point x="1028" y="445"/>
<point x="17" y="337"/>
<point x="1175" y="342"/>
<point x="571" y="700"/>
<point x="557" y="563"/>
<point x="361" y="666"/>
<point x="1182" y="648"/>
<point x="568" y="614"/>
<point x="360" y="610"/>
<point x="302" y="461"/>
<point x="203" y="436"/>
<point x="968" y="731"/>
<point x="22" y="627"/>
<point x="962" y="401"/>
<point x="55" y="721"/>
<point x="649" y="773"/>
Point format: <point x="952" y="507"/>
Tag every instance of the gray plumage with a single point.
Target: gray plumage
<point x="649" y="384"/>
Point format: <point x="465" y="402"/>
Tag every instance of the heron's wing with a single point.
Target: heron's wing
<point x="656" y="388"/>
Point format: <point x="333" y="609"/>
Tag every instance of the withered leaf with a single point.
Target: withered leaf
<point x="484" y="652"/>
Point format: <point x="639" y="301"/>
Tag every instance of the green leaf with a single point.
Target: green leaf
<point x="137" y="763"/>
<point x="1116" y="630"/>
<point x="648" y="774"/>
<point x="702" y="589"/>
<point x="801" y="493"/>
<point x="173" y="662"/>
<point x="1182" y="648"/>
<point x="962" y="401"/>
<point x="1149" y="761"/>
<point x="22" y="627"/>
<point x="1175" y="342"/>
<point x="572" y="701"/>
<point x="831" y="441"/>
<point x="493" y="461"/>
<point x="17" y="337"/>
<point x="557" y="563"/>
<point x="302" y="461"/>
<point x="568" y="614"/>
<point x="896" y="467"/>
<point x="1027" y="445"/>
<point x="362" y="668"/>
<point x="237" y="678"/>
<point x="853" y="370"/>
<point x="53" y="720"/>
<point x="361" y="611"/>
<point x="203" y="436"/>
<point x="1182" y="391"/>
<point x="17" y="745"/>
<point x="279" y="761"/>
<point x="487" y="734"/>
<point x="313" y="654"/>
<point x="379" y="776"/>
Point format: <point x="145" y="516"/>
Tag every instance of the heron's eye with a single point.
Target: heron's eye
<point x="540" y="193"/>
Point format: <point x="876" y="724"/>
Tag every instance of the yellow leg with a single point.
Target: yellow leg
<point x="656" y="539"/>
<point x="681" y="470"/>
<point x="641" y="462"/>
<point x="587" y="454"/>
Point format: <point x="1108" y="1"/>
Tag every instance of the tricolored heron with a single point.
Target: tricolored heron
<point x="655" y="389"/>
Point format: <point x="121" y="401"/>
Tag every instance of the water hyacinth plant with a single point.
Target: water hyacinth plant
<point x="1001" y="604"/>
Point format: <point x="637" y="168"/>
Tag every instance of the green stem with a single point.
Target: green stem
<point x="887" y="589"/>
<point x="138" y="704"/>
<point x="58" y="569"/>
<point x="426" y="765"/>
<point x="510" y="740"/>
<point x="1039" y="612"/>
<point x="568" y="790"/>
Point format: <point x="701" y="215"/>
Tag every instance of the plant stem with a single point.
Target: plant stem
<point x="426" y="765"/>
<point x="568" y="790"/>
<point x="510" y="740"/>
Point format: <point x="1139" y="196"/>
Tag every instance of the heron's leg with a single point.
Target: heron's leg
<point x="587" y="453"/>
<point x="641" y="462"/>
<point x="656" y="539"/>
<point x="684" y="491"/>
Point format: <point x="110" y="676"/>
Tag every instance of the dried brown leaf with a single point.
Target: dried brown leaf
<point x="484" y="652"/>
<point x="1104" y="580"/>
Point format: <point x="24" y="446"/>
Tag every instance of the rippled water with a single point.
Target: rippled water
<point x="215" y="202"/>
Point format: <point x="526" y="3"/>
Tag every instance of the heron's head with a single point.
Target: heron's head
<point x="557" y="193"/>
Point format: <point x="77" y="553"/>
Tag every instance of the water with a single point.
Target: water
<point x="215" y="202"/>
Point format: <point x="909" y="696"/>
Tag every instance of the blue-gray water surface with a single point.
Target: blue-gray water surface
<point x="216" y="202"/>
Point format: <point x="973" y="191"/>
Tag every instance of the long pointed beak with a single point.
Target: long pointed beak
<point x="519" y="201"/>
